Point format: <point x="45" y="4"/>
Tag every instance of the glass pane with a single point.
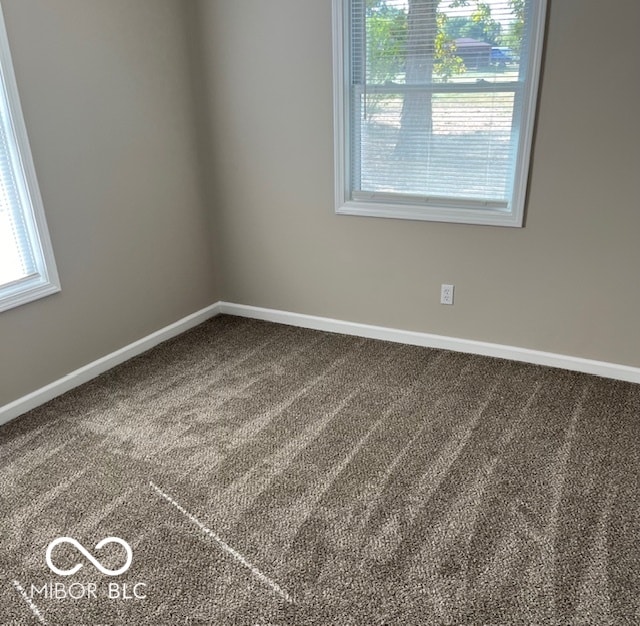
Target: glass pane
<point x="424" y="41"/>
<point x="16" y="257"/>
<point x="465" y="151"/>
<point x="13" y="265"/>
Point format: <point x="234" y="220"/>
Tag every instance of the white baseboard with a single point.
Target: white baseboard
<point x="87" y="372"/>
<point x="588" y="366"/>
<point x="90" y="371"/>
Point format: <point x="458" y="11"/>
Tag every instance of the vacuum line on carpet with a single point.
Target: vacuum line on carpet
<point x="225" y="546"/>
<point x="29" y="601"/>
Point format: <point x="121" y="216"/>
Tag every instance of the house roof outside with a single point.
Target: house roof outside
<point x="467" y="43"/>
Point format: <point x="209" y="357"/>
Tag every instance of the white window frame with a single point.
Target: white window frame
<point x="45" y="280"/>
<point x="348" y="202"/>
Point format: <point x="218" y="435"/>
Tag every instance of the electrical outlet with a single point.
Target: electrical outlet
<point x="446" y="294"/>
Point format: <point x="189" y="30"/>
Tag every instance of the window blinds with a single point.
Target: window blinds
<point x="17" y="260"/>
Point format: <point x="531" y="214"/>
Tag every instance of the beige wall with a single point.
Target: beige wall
<point x="567" y="283"/>
<point x="164" y="194"/>
<point x="108" y="105"/>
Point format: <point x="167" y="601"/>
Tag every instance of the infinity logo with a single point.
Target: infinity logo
<point x="89" y="556"/>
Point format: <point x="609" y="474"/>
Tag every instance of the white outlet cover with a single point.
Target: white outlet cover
<point x="446" y="294"/>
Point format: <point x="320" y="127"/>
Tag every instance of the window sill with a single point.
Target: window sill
<point x="434" y="213"/>
<point x="25" y="292"/>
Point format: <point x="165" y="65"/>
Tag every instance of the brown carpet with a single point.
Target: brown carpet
<point x="269" y="475"/>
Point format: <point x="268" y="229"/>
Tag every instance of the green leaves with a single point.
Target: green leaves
<point x="386" y="44"/>
<point x="446" y="62"/>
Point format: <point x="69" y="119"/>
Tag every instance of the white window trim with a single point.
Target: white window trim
<point x="45" y="281"/>
<point x="431" y="209"/>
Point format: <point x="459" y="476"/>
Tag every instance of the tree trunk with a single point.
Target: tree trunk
<point x="416" y="121"/>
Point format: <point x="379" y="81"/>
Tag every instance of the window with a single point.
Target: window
<point x="27" y="268"/>
<point x="434" y="107"/>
